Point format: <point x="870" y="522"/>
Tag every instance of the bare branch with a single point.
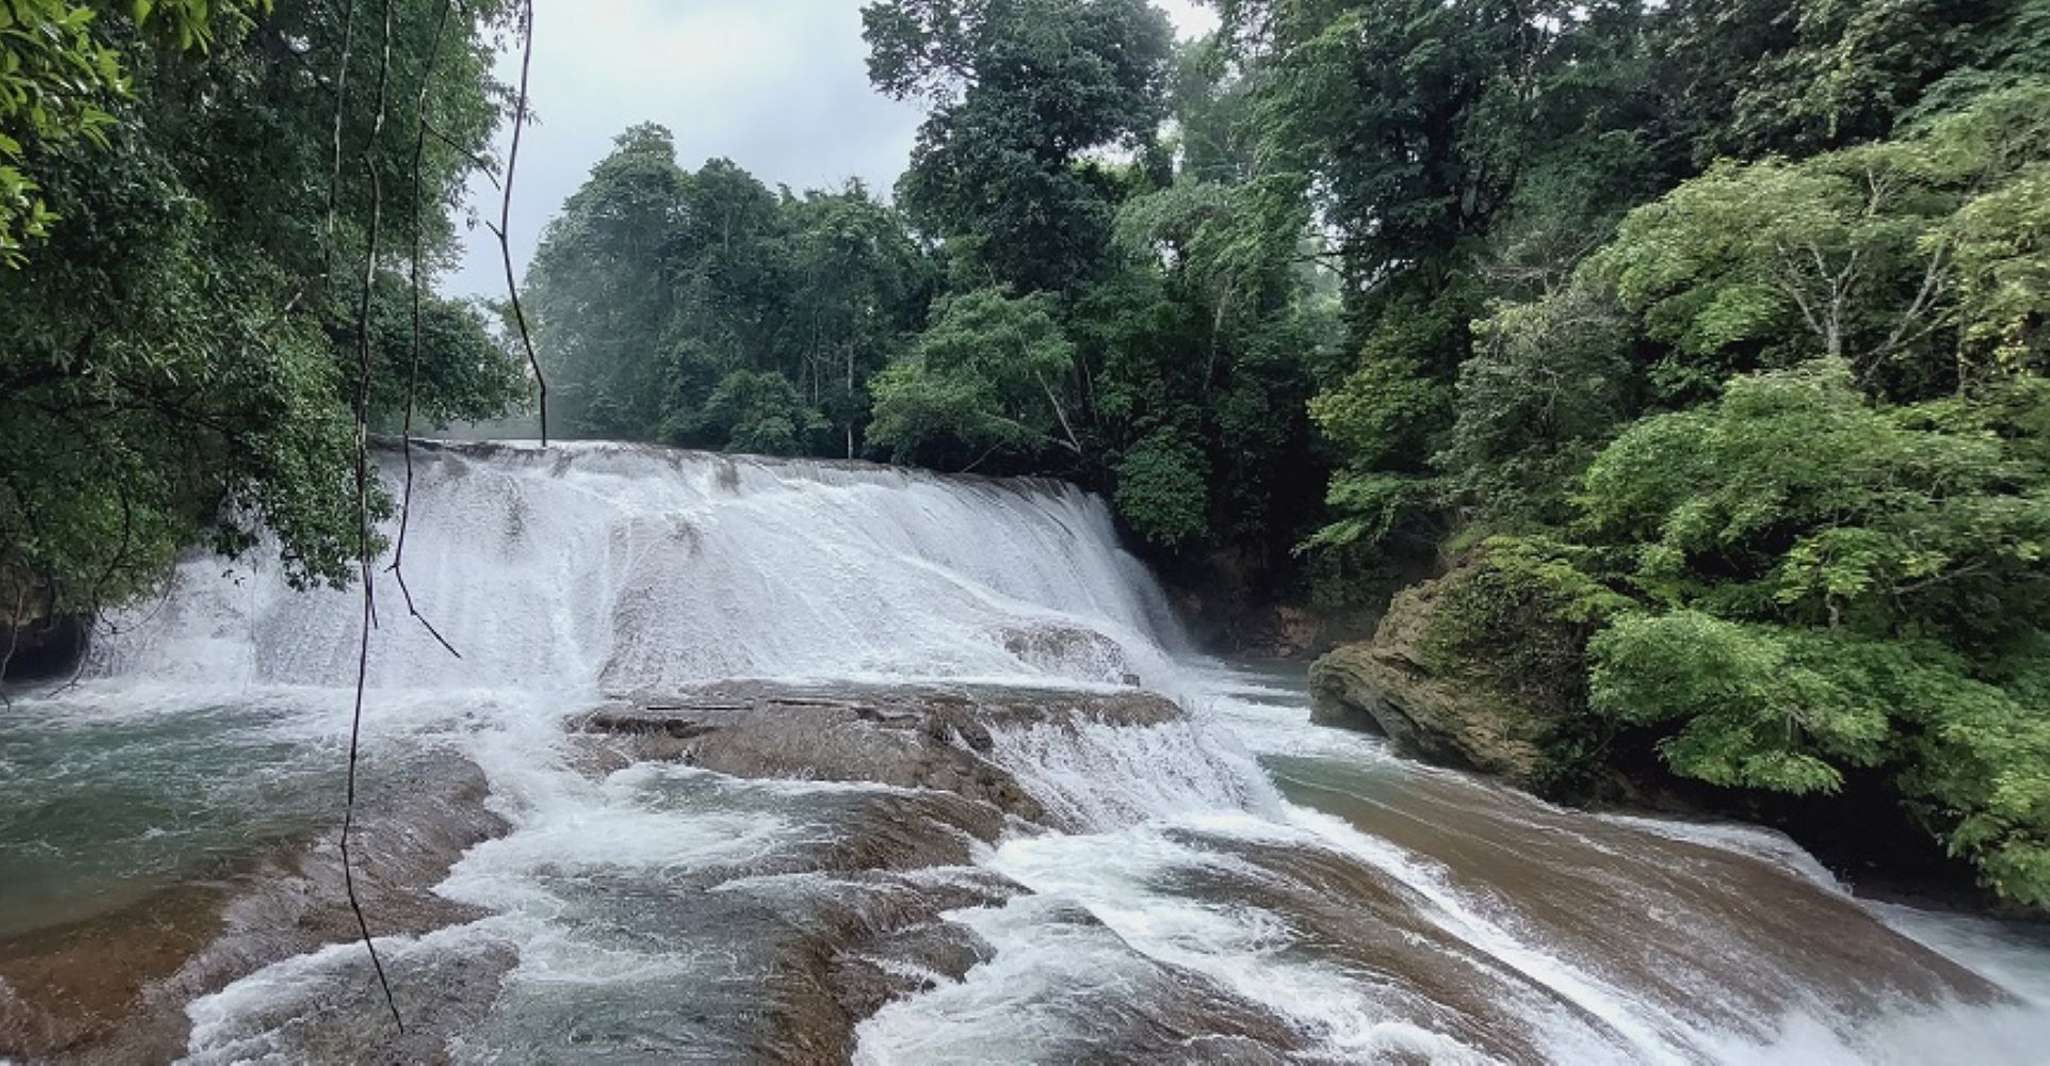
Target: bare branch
<point x="483" y="166"/>
<point x="1933" y="286"/>
<point x="1061" y="413"/>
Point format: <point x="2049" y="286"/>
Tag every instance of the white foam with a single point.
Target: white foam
<point x="589" y="568"/>
<point x="625" y="567"/>
<point x="1099" y="776"/>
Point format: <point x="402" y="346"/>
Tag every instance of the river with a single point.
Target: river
<point x="1233" y="884"/>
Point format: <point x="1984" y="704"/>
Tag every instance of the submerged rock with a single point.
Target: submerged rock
<point x="910" y="736"/>
<point x="113" y="988"/>
<point x="1388" y="686"/>
<point x="838" y="925"/>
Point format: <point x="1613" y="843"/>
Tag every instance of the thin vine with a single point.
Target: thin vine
<point x="334" y="174"/>
<point x="363" y="533"/>
<point x="396" y="569"/>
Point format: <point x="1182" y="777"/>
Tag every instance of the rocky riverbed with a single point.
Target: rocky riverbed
<point x="113" y="987"/>
<point x="853" y="918"/>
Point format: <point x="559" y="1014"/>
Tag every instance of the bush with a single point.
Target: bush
<point x="1163" y="488"/>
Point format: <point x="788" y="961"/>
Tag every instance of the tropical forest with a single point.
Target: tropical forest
<point x="1406" y="531"/>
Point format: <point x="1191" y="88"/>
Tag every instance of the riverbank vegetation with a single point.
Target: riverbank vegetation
<point x="1709" y="335"/>
<point x="1074" y="278"/>
<point x="184" y="263"/>
<point x="1704" y="343"/>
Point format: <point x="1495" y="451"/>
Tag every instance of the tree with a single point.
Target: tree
<point x="1021" y="91"/>
<point x="1453" y="152"/>
<point x="978" y="381"/>
<point x="601" y="291"/>
<point x="60" y="72"/>
<point x="1549" y="382"/>
<point x="1828" y="584"/>
<point x="759" y="411"/>
<point x="657" y="288"/>
<point x="1198" y="343"/>
<point x="170" y="366"/>
<point x="861" y="285"/>
<point x="1759" y="78"/>
<point x="1850" y="254"/>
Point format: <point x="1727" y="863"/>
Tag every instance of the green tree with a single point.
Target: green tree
<point x="1198" y="346"/>
<point x="171" y="363"/>
<point x="1861" y="254"/>
<point x="601" y="289"/>
<point x="759" y="411"/>
<point x="659" y="291"/>
<point x="1021" y="91"/>
<point x="1829" y="584"/>
<point x="1757" y="78"/>
<point x="61" y="71"/>
<point x="978" y="381"/>
<point x="861" y="285"/>
<point x="1453" y="152"/>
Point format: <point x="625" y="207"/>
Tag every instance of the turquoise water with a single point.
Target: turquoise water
<point x="101" y="804"/>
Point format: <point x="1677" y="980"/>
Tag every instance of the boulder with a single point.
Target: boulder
<point x="1389" y="686"/>
<point x="928" y="737"/>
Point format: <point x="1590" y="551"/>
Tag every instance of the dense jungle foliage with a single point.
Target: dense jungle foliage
<point x="1708" y="338"/>
<point x="177" y="346"/>
<point x="1708" y="334"/>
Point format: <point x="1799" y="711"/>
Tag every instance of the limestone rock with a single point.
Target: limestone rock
<point x="1388" y="686"/>
<point x="910" y="736"/>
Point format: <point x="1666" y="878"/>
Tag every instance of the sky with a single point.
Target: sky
<point x="778" y="86"/>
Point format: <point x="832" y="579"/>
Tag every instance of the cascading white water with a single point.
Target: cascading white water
<point x="633" y="567"/>
<point x="1437" y="919"/>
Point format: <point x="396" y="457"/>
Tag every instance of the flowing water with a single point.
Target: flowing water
<point x="1237" y="885"/>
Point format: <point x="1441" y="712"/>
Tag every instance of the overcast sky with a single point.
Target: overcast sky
<point x="778" y="86"/>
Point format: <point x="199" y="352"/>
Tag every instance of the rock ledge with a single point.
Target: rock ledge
<point x="1388" y="686"/>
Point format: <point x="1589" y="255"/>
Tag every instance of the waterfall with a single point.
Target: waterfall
<point x="1229" y="880"/>
<point x="637" y="568"/>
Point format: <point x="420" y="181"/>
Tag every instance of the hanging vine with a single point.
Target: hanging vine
<point x="420" y="128"/>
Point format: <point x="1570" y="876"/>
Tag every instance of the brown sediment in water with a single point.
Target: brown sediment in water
<point x="64" y="988"/>
<point x="112" y="988"/>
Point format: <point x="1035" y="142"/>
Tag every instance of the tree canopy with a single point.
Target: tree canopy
<point x="173" y="349"/>
<point x="1704" y="342"/>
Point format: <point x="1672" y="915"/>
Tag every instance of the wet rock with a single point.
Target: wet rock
<point x="860" y="941"/>
<point x="37" y="642"/>
<point x="855" y="916"/>
<point x="113" y="988"/>
<point x="1387" y="686"/>
<point x="1068" y="649"/>
<point x="1356" y="918"/>
<point x="910" y="736"/>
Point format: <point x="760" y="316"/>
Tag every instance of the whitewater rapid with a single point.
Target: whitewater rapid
<point x="1377" y="910"/>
